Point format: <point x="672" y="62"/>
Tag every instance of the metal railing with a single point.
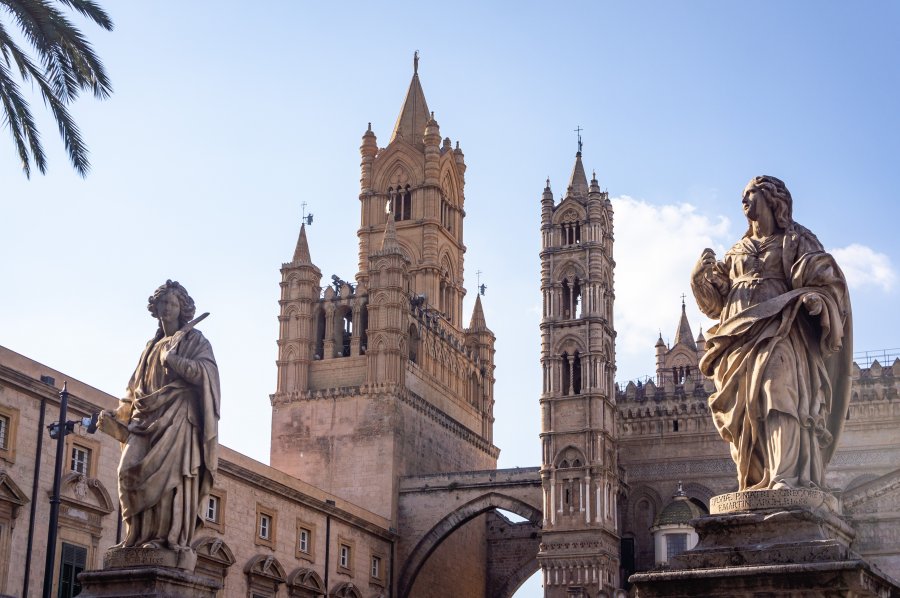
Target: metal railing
<point x="885" y="357"/>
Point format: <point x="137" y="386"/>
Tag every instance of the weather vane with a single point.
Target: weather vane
<point x="579" y="130"/>
<point x="307" y="218"/>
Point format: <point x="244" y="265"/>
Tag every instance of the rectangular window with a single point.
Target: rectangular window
<point x="376" y="567"/>
<point x="265" y="526"/>
<point x="81" y="459"/>
<point x="675" y="544"/>
<point x="4" y="432"/>
<point x="71" y="564"/>
<point x="212" y="509"/>
<point x="303" y="540"/>
<point x="344" y="559"/>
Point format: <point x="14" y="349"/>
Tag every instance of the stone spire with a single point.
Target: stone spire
<point x="389" y="243"/>
<point x="415" y="114"/>
<point x="301" y="253"/>
<point x="684" y="334"/>
<point x="478" y="322"/>
<point x="578" y="184"/>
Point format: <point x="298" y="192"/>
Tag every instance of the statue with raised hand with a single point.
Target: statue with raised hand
<point x="781" y="352"/>
<point x="168" y="424"/>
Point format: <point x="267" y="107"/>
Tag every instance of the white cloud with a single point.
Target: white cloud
<point x="656" y="248"/>
<point x="864" y="266"/>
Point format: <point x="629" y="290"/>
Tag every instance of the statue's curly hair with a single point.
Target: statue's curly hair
<point x="188" y="309"/>
<point x="777" y="196"/>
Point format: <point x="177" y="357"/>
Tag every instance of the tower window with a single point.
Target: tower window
<point x="401" y="202"/>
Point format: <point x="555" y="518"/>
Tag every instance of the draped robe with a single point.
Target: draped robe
<point x="169" y="432"/>
<point x="782" y="376"/>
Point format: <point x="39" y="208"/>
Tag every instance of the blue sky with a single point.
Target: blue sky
<point x="226" y="116"/>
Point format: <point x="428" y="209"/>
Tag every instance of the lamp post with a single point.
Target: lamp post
<point x="58" y="431"/>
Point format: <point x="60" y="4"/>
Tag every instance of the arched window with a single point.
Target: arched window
<point x="346" y="332"/>
<point x="401" y="202"/>
<point x="320" y="335"/>
<point x="571" y="374"/>
<point x="413" y="343"/>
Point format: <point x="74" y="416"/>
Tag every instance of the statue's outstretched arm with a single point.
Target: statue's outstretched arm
<point x="710" y="284"/>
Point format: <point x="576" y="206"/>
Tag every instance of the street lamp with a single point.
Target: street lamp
<point x="58" y="431"/>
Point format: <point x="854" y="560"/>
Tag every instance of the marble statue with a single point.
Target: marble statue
<point x="781" y="352"/>
<point x="168" y="424"/>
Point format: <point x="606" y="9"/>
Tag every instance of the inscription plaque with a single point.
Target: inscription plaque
<point x="753" y="500"/>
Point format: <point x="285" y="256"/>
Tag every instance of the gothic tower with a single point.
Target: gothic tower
<point x="580" y="477"/>
<point x="380" y="379"/>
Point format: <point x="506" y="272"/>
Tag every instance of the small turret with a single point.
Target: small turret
<point x="367" y="152"/>
<point x="660" y="355"/>
<point x="595" y="186"/>
<point x="460" y="162"/>
<point x="432" y="140"/>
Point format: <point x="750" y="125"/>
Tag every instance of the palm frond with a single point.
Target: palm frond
<point x="17" y="117"/>
<point x="92" y="11"/>
<point x="68" y="65"/>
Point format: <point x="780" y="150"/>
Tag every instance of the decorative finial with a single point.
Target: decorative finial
<point x="548" y="182"/>
<point x="682" y="301"/>
<point x="416" y="62"/>
<point x="579" y="130"/>
<point x="370" y="126"/>
<point x="594" y="175"/>
<point x="432" y="115"/>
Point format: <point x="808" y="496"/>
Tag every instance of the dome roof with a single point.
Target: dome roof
<point x="678" y="512"/>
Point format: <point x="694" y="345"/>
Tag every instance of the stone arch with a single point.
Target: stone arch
<point x="305" y="582"/>
<point x="520" y="576"/>
<point x="399" y="158"/>
<point x="569" y="342"/>
<point x="264" y="573"/>
<point x="345" y="590"/>
<point x="450" y="186"/>
<point x="570" y="269"/>
<point x="214" y="557"/>
<point x="568" y="209"/>
<point x="699" y="492"/>
<point x="570" y="456"/>
<point x="452" y="522"/>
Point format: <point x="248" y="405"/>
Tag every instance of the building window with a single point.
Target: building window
<point x="344" y="557"/>
<point x="303" y="540"/>
<point x="81" y="460"/>
<point x="675" y="544"/>
<point x="265" y="526"/>
<point x="212" y="509"/>
<point x="376" y="567"/>
<point x="71" y="564"/>
<point x="9" y="419"/>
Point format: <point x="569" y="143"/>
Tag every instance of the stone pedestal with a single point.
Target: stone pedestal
<point x="147" y="573"/>
<point x="772" y="543"/>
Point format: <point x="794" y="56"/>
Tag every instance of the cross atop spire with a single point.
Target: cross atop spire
<point x="578" y="130"/>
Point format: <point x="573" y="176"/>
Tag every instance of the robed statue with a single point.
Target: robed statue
<point x="168" y="424"/>
<point x="781" y="352"/>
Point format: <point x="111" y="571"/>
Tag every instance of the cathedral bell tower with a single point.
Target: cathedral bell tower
<point x="579" y="545"/>
<point x="379" y="378"/>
